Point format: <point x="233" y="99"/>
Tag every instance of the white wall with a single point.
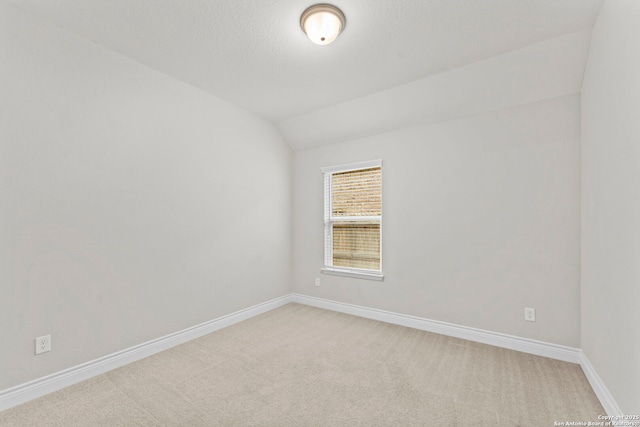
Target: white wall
<point x="481" y="218"/>
<point x="610" y="289"/>
<point x="131" y="204"/>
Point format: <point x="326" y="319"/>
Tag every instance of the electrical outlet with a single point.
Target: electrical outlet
<point x="530" y="314"/>
<point x="317" y="281"/>
<point x="43" y="344"/>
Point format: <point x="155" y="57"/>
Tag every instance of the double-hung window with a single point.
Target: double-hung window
<point x="353" y="220"/>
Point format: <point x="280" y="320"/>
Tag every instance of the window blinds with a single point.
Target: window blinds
<point x="353" y="218"/>
<point x="357" y="193"/>
<point x="356" y="245"/>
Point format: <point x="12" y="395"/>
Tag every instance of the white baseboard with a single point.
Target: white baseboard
<point x="525" y="345"/>
<point x="39" y="387"/>
<point x="599" y="388"/>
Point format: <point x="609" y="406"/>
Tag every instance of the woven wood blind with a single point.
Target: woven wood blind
<point x="356" y="212"/>
<point x="357" y="193"/>
<point x="356" y="245"/>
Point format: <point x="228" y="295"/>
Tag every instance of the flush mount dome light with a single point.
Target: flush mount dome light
<point x="322" y="23"/>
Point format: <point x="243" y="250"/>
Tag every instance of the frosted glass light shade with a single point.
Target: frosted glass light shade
<point x="322" y="23"/>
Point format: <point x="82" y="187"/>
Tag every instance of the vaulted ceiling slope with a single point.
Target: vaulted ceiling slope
<point x="395" y="63"/>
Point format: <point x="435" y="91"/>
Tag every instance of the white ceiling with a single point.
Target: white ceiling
<point x="252" y="52"/>
<point x="541" y="71"/>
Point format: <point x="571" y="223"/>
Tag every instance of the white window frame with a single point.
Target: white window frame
<point x="328" y="267"/>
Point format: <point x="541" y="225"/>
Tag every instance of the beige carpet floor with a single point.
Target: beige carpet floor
<point x="303" y="366"/>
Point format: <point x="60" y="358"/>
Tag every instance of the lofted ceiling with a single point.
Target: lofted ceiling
<point x="252" y="53"/>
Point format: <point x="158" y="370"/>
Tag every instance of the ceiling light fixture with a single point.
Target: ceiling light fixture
<point x="322" y="23"/>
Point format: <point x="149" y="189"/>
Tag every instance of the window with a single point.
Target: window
<point x="353" y="220"/>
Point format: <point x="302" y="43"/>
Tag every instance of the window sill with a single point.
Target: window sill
<point x="353" y="273"/>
